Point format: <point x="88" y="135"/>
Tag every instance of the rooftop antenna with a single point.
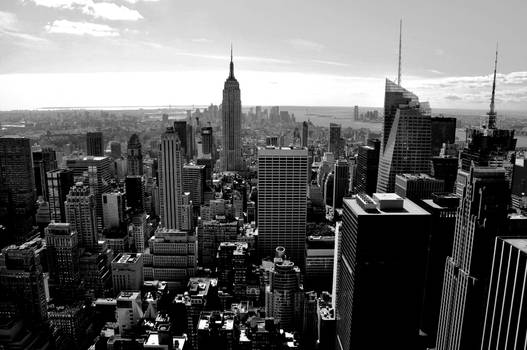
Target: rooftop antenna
<point x="400" y="41"/>
<point x="492" y="112"/>
<point x="231" y="75"/>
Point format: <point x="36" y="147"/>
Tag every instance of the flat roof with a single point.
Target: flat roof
<point x="409" y="207"/>
<point x="518" y="243"/>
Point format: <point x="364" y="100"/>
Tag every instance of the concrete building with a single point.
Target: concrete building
<point x="134" y="156"/>
<point x="319" y="263"/>
<point x="59" y="184"/>
<point x="282" y="201"/>
<point x="127" y="272"/>
<point x="334" y="139"/>
<point x="417" y="187"/>
<point x="44" y="160"/>
<point x="141" y="231"/>
<point x="113" y="207"/>
<point x="129" y="311"/>
<point x="210" y="234"/>
<point x="80" y="213"/>
<point x="194" y="182"/>
<point x="216" y="330"/>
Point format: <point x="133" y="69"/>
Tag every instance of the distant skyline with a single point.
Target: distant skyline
<point x="333" y="53"/>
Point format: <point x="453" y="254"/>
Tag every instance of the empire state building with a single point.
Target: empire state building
<point x="231" y="122"/>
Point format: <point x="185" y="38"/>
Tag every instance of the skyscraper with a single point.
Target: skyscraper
<point x="17" y="188"/>
<point x="94" y="144"/>
<point x="305" y="134"/>
<point x="80" y="213"/>
<point x="483" y="186"/>
<point x="407" y="138"/>
<point x="194" y="182"/>
<point x="356" y="113"/>
<point x="231" y="110"/>
<point x="134" y="156"/>
<point x="170" y="179"/>
<point x="44" y="160"/>
<point x="206" y="140"/>
<point x="59" y="184"/>
<point x="95" y="172"/>
<point x="115" y="149"/>
<point x="340" y="182"/>
<point x="383" y="247"/>
<point x="282" y="201"/>
<point x="135" y="192"/>
<point x="62" y="246"/>
<point x="334" y="139"/>
<point x="443" y="131"/>
<point x="180" y="128"/>
<point x="113" y="208"/>
<point x="505" y="324"/>
<point x="367" y="167"/>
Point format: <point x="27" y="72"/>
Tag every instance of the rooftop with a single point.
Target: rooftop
<point x="407" y="208"/>
<point x="127" y="258"/>
<point x="518" y="243"/>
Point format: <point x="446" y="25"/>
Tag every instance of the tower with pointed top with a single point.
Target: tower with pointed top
<point x="231" y="110"/>
<point x="492" y="112"/>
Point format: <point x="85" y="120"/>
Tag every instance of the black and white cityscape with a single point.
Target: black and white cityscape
<point x="144" y="206"/>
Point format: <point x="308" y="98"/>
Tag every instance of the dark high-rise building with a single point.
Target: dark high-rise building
<point x="367" y="167"/>
<point x="115" y="149"/>
<point x="483" y="185"/>
<point x="206" y="140"/>
<point x="356" y="113"/>
<point x="406" y="147"/>
<point x="382" y="265"/>
<point x="505" y="325"/>
<point x="417" y="186"/>
<point x="94" y="144"/>
<point x="334" y="139"/>
<point x="135" y="192"/>
<point x="63" y="255"/>
<point x="519" y="185"/>
<point x="59" y="184"/>
<point x="445" y="168"/>
<point x="305" y="134"/>
<point x="443" y="208"/>
<point x="44" y="160"/>
<point x="231" y="109"/>
<point x="17" y="188"/>
<point x="190" y="142"/>
<point x="194" y="182"/>
<point x="180" y="128"/>
<point x="443" y="131"/>
<point x="282" y="202"/>
<point x="271" y="141"/>
<point x="340" y="182"/>
<point x="22" y="281"/>
<point x="134" y="156"/>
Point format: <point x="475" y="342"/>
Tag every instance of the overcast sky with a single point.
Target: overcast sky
<point x="287" y="52"/>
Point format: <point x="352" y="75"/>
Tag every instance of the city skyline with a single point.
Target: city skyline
<point x="122" y="52"/>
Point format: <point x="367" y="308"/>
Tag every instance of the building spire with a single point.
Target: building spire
<point x="492" y="112"/>
<point x="231" y="74"/>
<point x="400" y="42"/>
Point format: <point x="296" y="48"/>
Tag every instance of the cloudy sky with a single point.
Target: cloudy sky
<point x="294" y="52"/>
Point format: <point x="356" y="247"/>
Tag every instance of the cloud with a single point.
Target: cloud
<point x="81" y="28"/>
<point x="305" y="44"/>
<point x="201" y="40"/>
<point x="9" y="27"/>
<point x="439" y="52"/>
<point x="105" y="10"/>
<point x="137" y="1"/>
<point x="331" y="63"/>
<point x="435" y="71"/>
<point x="111" y="11"/>
<point x="8" y="21"/>
<point x="452" y="97"/>
<point x="236" y="58"/>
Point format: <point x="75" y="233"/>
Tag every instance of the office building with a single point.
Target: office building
<point x="44" y="160"/>
<point x="282" y="201"/>
<point x="207" y="142"/>
<point x="483" y="184"/>
<point x="417" y="186"/>
<point x="371" y="265"/>
<point x="194" y="182"/>
<point x="22" y="281"/>
<point x="180" y="128"/>
<point x="334" y="139"/>
<point x="216" y="330"/>
<point x="140" y="230"/>
<point x="134" y="156"/>
<point x="127" y="272"/>
<point x="320" y="254"/>
<point x="271" y="141"/>
<point x="443" y="208"/>
<point x="305" y="134"/>
<point x="326" y="325"/>
<point x="231" y="111"/>
<point x="129" y="311"/>
<point x="284" y="293"/>
<point x="59" y="182"/>
<point x="445" y="168"/>
<point x="71" y="322"/>
<point x="115" y="149"/>
<point x="231" y="266"/>
<point x="17" y="188"/>
<point x="171" y="256"/>
<point x="170" y="179"/>
<point x="406" y="139"/>
<point x="94" y="144"/>
<point x="135" y="192"/>
<point x="367" y="167"/>
<point x="80" y="213"/>
<point x="62" y="244"/>
<point x="519" y="185"/>
<point x="113" y="207"/>
<point x="210" y="234"/>
<point x="356" y="115"/>
<point x="95" y="172"/>
<point x="340" y="182"/>
<point x="505" y="315"/>
<point x="443" y="131"/>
